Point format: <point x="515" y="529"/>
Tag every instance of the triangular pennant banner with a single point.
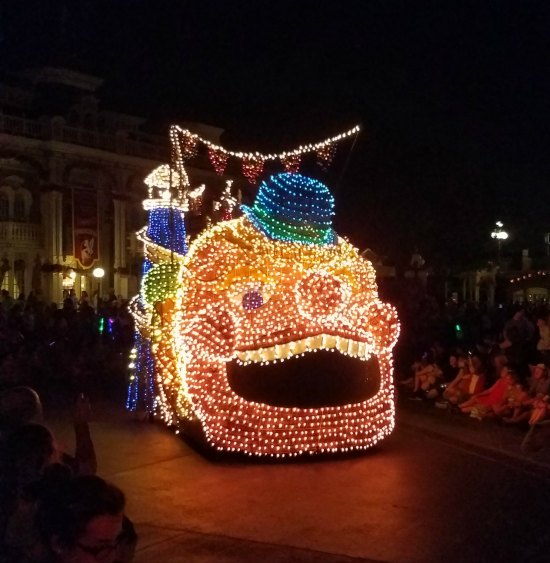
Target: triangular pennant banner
<point x="325" y="155"/>
<point x="218" y="159"/>
<point x="252" y="168"/>
<point x="291" y="162"/>
<point x="188" y="146"/>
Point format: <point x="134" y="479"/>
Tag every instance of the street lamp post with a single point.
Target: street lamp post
<point x="98" y="274"/>
<point x="499" y="234"/>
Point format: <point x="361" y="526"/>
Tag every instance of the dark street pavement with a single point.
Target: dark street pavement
<point x="431" y="492"/>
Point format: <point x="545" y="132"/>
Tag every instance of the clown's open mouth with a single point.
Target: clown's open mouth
<point x="320" y="379"/>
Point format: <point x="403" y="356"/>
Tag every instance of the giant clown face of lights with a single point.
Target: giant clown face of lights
<point x="274" y="337"/>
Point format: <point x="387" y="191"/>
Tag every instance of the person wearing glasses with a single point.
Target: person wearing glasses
<point x="83" y="521"/>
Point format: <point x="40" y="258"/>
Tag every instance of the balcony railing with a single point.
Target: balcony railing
<point x="143" y="146"/>
<point x="11" y="231"/>
<point x="20" y="126"/>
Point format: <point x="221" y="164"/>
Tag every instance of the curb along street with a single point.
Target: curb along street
<point x="486" y="437"/>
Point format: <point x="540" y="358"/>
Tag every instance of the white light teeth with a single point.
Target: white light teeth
<point x="280" y="352"/>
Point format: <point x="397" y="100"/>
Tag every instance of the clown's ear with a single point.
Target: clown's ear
<point x="160" y="282"/>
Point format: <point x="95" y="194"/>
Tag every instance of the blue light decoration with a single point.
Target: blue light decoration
<point x="133" y="374"/>
<point x="142" y="370"/>
<point x="146" y="266"/>
<point x="165" y="227"/>
<point x="294" y="208"/>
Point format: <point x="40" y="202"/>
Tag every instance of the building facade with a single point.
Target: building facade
<point x="71" y="186"/>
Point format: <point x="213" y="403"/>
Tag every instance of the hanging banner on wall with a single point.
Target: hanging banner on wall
<point x="85" y="227"/>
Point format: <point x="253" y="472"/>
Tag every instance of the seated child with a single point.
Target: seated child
<point x="469" y="381"/>
<point x="426" y="376"/>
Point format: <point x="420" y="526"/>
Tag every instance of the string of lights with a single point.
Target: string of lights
<point x="530" y="275"/>
<point x="183" y="138"/>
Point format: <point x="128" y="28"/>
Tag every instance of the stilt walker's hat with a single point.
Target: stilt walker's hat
<point x="293" y="208"/>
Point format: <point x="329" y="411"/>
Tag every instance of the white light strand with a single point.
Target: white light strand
<point x="176" y="131"/>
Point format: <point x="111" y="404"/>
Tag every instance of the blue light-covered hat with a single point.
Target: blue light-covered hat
<point x="293" y="208"/>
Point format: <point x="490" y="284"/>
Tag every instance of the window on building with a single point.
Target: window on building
<point x="4" y="207"/>
<point x="19" y="211"/>
<point x="12" y="287"/>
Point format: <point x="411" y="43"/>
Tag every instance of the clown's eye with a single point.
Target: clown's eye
<point x="252" y="299"/>
<point x="249" y="295"/>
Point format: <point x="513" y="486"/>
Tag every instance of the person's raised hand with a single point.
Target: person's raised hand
<point x="82" y="410"/>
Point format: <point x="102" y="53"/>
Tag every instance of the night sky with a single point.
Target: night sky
<point x="452" y="97"/>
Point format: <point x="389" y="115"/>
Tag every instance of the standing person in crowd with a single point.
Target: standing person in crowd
<point x="518" y="342"/>
<point x="519" y="328"/>
<point x="74" y="298"/>
<point x="96" y="301"/>
<point x="543" y="343"/>
<point x="84" y="298"/>
<point x="7" y="301"/>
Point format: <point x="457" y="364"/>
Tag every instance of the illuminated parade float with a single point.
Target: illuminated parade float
<point x="267" y="332"/>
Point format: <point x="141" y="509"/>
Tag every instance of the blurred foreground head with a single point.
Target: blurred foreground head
<point x="82" y="521"/>
<point x="18" y="406"/>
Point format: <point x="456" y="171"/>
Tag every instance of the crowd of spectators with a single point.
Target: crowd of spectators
<point x="492" y="367"/>
<point x="63" y="351"/>
<point x="53" y="506"/>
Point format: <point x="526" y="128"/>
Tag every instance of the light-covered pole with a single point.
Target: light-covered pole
<point x="499" y="234"/>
